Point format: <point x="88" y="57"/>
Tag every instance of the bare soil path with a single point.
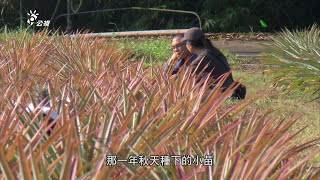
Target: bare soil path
<point x="245" y="48"/>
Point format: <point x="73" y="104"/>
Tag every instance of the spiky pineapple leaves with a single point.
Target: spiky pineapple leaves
<point x="108" y="103"/>
<point x="294" y="61"/>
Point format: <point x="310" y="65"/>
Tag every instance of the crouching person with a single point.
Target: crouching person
<point x="209" y="59"/>
<point x="180" y="56"/>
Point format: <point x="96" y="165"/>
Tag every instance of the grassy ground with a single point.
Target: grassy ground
<point x="157" y="49"/>
<point x="287" y="105"/>
<point x="160" y="50"/>
<point x="257" y="83"/>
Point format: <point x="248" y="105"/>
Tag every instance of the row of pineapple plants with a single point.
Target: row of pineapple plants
<point x="109" y="103"/>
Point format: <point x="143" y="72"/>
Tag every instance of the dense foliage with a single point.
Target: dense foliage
<point x="216" y="15"/>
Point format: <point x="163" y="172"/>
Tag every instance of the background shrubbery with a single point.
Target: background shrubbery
<point x="216" y="15"/>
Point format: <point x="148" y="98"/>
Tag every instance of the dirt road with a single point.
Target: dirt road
<point x="243" y="48"/>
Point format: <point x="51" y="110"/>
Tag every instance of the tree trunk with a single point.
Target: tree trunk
<point x="69" y="22"/>
<point x="55" y="11"/>
<point x="21" y="15"/>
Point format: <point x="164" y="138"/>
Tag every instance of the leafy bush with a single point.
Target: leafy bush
<point x="294" y="60"/>
<point x="108" y="104"/>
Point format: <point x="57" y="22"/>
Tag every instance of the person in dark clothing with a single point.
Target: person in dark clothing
<point x="210" y="60"/>
<point x="208" y="55"/>
<point x="180" y="55"/>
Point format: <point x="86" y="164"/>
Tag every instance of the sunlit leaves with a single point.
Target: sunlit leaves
<point x="294" y="60"/>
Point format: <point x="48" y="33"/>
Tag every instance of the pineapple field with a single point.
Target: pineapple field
<point x="74" y="107"/>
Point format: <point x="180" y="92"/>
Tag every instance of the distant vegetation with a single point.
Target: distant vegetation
<point x="216" y="15"/>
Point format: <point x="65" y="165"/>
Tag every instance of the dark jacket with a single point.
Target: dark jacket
<point x="217" y="64"/>
<point x="179" y="64"/>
